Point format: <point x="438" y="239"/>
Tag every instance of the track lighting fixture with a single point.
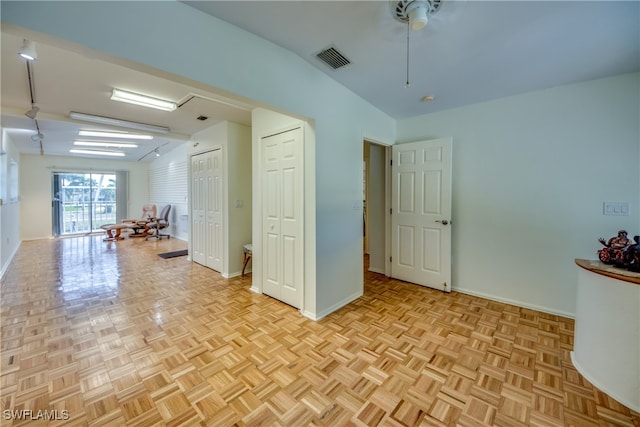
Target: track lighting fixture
<point x="32" y="112"/>
<point x="28" y="50"/>
<point x="154" y="151"/>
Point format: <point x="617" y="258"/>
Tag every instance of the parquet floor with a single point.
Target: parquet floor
<point x="110" y="334"/>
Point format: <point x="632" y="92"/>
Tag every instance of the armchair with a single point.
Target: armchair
<point x="158" y="224"/>
<point x="139" y="225"/>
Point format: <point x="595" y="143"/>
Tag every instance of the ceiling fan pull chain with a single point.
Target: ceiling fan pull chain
<point x="407" y="84"/>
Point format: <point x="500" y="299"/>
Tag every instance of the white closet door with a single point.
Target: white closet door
<point x="207" y="205"/>
<point x="282" y="249"/>
<point x="198" y="191"/>
<point x="214" y="204"/>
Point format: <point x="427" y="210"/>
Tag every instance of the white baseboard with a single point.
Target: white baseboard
<point x="6" y="264"/>
<point x="256" y="290"/>
<point x="516" y="302"/>
<point x="334" y="307"/>
<point x="376" y="270"/>
<point x="236" y="274"/>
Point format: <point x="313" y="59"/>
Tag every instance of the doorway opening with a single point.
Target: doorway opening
<point x="82" y="202"/>
<point x="374" y="207"/>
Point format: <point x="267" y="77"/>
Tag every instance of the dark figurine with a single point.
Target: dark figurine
<point x="614" y="249"/>
<point x="632" y="255"/>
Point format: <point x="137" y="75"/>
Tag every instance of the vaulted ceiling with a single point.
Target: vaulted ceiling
<point x="469" y="52"/>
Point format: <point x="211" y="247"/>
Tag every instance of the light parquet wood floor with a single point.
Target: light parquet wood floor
<point x="110" y="334"/>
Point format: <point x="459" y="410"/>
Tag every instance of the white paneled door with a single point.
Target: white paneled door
<point x="421" y="213"/>
<point x="282" y="205"/>
<point x="207" y="208"/>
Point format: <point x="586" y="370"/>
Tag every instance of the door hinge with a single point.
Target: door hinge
<point x="391" y="211"/>
<point x="391" y="163"/>
<point x="390" y="259"/>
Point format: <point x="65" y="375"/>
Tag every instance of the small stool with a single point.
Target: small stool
<point x="246" y="255"/>
<point x="109" y="228"/>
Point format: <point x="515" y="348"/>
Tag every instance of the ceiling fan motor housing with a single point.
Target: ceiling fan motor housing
<point x="414" y="12"/>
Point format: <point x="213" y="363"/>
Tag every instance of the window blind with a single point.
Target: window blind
<point x="168" y="184"/>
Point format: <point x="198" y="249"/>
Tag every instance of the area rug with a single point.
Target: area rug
<point x="173" y="254"/>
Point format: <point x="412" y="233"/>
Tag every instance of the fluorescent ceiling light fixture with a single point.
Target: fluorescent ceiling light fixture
<point x="117" y="122"/>
<point x="143" y="100"/>
<point x="122" y="135"/>
<point x="98" y="152"/>
<point x="105" y="144"/>
<point x="28" y="50"/>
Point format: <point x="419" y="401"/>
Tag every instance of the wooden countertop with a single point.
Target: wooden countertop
<point x="599" y="267"/>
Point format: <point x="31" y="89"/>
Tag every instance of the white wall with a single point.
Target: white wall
<point x="239" y="158"/>
<point x="242" y="63"/>
<point x="172" y="189"/>
<point x="35" y="187"/>
<point x="9" y="211"/>
<point x="530" y="174"/>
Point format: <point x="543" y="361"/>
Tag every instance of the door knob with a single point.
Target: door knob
<point x="443" y="222"/>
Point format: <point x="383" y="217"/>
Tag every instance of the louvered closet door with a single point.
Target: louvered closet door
<point x="282" y="204"/>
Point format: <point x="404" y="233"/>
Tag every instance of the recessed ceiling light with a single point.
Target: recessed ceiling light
<point x="428" y="98"/>
<point x="143" y="100"/>
<point x="105" y="144"/>
<point x="98" y="152"/>
<point x="122" y="135"/>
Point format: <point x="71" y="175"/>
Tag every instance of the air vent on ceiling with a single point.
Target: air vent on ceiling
<point x="333" y="58"/>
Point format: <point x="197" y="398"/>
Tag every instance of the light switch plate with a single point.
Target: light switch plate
<point x="616" y="208"/>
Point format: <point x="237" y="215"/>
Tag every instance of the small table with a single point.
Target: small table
<point x="247" y="252"/>
<point x="109" y="228"/>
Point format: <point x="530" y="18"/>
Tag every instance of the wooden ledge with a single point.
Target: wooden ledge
<point x="599" y="267"/>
